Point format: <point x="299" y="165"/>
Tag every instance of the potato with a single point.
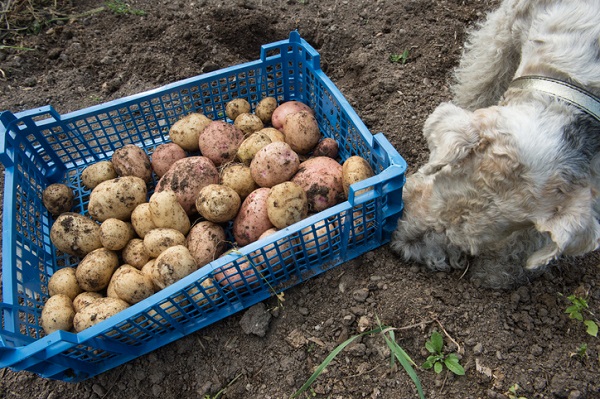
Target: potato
<point x="301" y="131"/>
<point x="141" y="219"/>
<point x="248" y="123"/>
<point x="220" y="141"/>
<point x="264" y="109"/>
<point x="64" y="281"/>
<point x="96" y="268"/>
<point x="165" y="155"/>
<point x="218" y="203"/>
<point x="274" y="134"/>
<point x="186" y="131"/>
<point x="97" y="173"/>
<point x="57" y="314"/>
<point x="251" y="145"/>
<point x="286" y="204"/>
<point x="131" y="285"/>
<point x="159" y="239"/>
<point x="135" y="253"/>
<point x="286" y="108"/>
<point x="239" y="178"/>
<point x="115" y="234"/>
<point x="272" y="255"/>
<point x="235" y="107"/>
<point x="186" y="178"/>
<point x="117" y="198"/>
<point x="131" y="160"/>
<point x="327" y="147"/>
<point x="355" y="169"/>
<point x="317" y="238"/>
<point x="167" y="212"/>
<point x="252" y="220"/>
<point x="147" y="270"/>
<point x="238" y="275"/>
<point x="321" y="179"/>
<point x="172" y="265"/>
<point x="58" y="198"/>
<point x="200" y="296"/>
<point x="274" y="164"/>
<point x="84" y="299"/>
<point x="206" y="241"/>
<point x="361" y="222"/>
<point x="98" y="311"/>
<point x="75" y="234"/>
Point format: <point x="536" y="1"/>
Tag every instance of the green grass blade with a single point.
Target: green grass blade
<point x="405" y="361"/>
<point x="329" y="358"/>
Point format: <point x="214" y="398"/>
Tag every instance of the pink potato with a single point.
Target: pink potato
<point x="220" y="141"/>
<point x="252" y="220"/>
<point x="186" y="178"/>
<point x="206" y="242"/>
<point x="327" y="147"/>
<point x="286" y="108"/>
<point x="273" y="164"/>
<point x="164" y="156"/>
<point x="231" y="274"/>
<point x="131" y="160"/>
<point x="321" y="179"/>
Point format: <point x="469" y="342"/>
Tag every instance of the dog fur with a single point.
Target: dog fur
<point x="513" y="175"/>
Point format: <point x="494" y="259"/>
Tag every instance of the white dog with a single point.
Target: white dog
<point x="513" y="176"/>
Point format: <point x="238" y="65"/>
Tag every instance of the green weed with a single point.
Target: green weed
<point x="397" y="354"/>
<point x="437" y="360"/>
<point x="579" y="310"/>
<point x="402" y="58"/>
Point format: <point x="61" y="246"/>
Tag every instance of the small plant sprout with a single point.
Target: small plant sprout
<point x="437" y="360"/>
<point x="512" y="392"/>
<point x="581" y="352"/>
<point x="579" y="310"/>
<point x="402" y="58"/>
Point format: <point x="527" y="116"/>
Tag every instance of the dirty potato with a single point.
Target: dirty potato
<point x="58" y="198"/>
<point x="131" y="160"/>
<point x="135" y="253"/>
<point x="115" y="234"/>
<point x="98" y="311"/>
<point x="238" y="177"/>
<point x="117" y="198"/>
<point x="264" y="109"/>
<point x="64" y="281"/>
<point x="185" y="131"/>
<point x="218" y="203"/>
<point x="95" y="269"/>
<point x="57" y="314"/>
<point x="161" y="238"/>
<point x="131" y="285"/>
<point x="97" y="173"/>
<point x="75" y="234"/>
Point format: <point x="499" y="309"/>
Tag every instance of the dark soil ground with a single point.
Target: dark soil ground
<point x="521" y="336"/>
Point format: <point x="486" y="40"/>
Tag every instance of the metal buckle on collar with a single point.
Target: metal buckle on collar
<point x="578" y="97"/>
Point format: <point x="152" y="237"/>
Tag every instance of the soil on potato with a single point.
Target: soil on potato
<point x="521" y="336"/>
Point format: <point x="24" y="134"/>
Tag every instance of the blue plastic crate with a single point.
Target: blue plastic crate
<point x="39" y="147"/>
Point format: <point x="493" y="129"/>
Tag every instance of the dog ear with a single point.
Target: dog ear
<point x="573" y="229"/>
<point x="450" y="136"/>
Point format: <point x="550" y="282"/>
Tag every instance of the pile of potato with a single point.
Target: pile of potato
<point x="264" y="172"/>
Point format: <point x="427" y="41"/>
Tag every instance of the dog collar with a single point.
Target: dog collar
<point x="574" y="95"/>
